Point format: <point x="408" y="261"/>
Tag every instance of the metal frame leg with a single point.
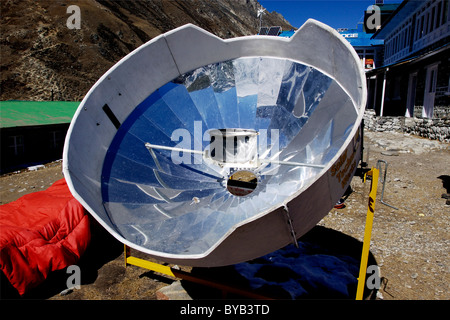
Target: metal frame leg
<point x="383" y="181"/>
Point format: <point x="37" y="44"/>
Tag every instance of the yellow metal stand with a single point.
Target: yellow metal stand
<point x="179" y="274"/>
<point x="367" y="232"/>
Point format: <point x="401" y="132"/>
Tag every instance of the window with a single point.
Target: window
<point x="412" y="33"/>
<point x="417" y="31"/>
<point x="444" y="13"/>
<point x="55" y="139"/>
<point x="405" y="37"/>
<point x="432" y="22"/>
<point x="421" y="26"/>
<point x="396" y="90"/>
<point x="16" y="145"/>
<point x="438" y="15"/>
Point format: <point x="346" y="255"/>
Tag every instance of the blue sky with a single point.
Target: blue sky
<point x="335" y="13"/>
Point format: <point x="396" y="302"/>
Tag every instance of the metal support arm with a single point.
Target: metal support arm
<point x="150" y="146"/>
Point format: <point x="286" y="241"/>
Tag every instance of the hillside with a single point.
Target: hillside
<point x="42" y="59"/>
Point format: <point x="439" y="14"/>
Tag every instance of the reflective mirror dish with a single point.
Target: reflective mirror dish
<point x="223" y="150"/>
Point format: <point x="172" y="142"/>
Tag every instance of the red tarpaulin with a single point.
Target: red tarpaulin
<point x="39" y="233"/>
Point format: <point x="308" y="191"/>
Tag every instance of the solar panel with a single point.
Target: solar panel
<point x="263" y="31"/>
<point x="274" y="31"/>
<point x="215" y="151"/>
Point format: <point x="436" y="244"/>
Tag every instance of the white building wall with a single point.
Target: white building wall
<point x="427" y="25"/>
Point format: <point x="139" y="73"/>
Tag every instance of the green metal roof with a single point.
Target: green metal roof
<point x="31" y="113"/>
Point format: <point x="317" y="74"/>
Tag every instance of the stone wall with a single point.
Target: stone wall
<point x="434" y="129"/>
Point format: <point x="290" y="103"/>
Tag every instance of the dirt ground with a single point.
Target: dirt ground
<point x="410" y="243"/>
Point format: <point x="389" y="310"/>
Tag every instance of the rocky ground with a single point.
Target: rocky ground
<point x="410" y="244"/>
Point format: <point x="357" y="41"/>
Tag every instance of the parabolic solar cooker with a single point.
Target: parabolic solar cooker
<point x="208" y="152"/>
